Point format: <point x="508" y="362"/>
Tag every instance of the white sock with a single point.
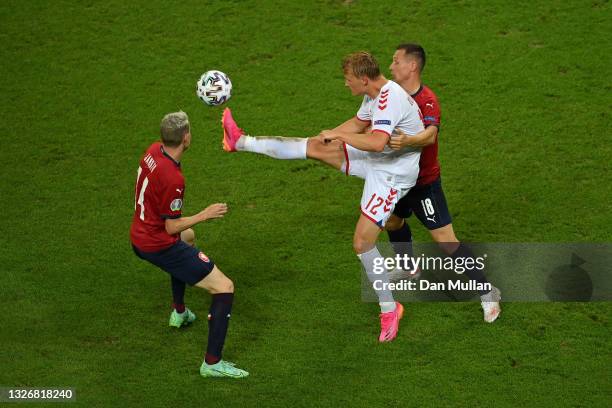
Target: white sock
<point x="387" y="306"/>
<point x="385" y="297"/>
<point x="274" y="146"/>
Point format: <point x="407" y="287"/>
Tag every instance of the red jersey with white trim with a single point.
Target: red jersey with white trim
<point x="393" y="108"/>
<point x="429" y="164"/>
<point x="160" y="187"/>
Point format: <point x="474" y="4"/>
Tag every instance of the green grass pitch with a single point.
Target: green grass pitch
<point x="525" y="152"/>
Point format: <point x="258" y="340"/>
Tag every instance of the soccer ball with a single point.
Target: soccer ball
<point x="214" y="88"/>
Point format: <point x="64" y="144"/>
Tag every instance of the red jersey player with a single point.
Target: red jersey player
<point x="163" y="237"/>
<point x="426" y="200"/>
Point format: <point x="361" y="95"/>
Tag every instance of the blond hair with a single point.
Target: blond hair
<point x="173" y="128"/>
<point x="360" y="64"/>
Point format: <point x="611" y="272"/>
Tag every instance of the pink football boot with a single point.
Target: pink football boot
<point x="389" y="323"/>
<point x="231" y="131"/>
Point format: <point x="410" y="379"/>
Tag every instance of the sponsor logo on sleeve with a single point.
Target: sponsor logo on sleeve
<point x="382" y="122"/>
<point x="176" y="204"/>
<point x="431" y="118"/>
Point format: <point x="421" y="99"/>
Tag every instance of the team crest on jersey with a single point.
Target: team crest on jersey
<point x="176" y="204"/>
<point x="203" y="257"/>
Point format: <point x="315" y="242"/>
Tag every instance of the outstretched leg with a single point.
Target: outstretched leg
<point x="277" y="147"/>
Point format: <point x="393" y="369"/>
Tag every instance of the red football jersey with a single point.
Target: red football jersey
<point x="429" y="164"/>
<point x="160" y="187"/>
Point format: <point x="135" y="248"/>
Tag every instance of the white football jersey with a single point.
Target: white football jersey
<point x="394" y="108"/>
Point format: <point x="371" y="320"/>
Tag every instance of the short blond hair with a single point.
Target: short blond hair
<point x="173" y="128"/>
<point x="360" y="64"/>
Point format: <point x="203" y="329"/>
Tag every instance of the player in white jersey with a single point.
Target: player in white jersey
<point x="353" y="149"/>
<point x="391" y="108"/>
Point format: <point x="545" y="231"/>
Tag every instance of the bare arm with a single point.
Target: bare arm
<point x="353" y="125"/>
<point x="177" y="225"/>
<point x="400" y="139"/>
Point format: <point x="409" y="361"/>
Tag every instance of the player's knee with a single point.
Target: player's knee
<point x="394" y="223"/>
<point x="444" y="234"/>
<point x="219" y="285"/>
<point x="227" y="286"/>
<point x="313" y="148"/>
<point x="361" y="246"/>
<point x="188" y="236"/>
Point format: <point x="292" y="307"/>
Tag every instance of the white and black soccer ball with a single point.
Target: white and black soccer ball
<point x="214" y="88"/>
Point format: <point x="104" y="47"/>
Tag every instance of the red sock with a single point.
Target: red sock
<point x="179" y="307"/>
<point x="210" y="359"/>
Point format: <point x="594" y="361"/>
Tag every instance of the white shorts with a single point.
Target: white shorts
<point x="381" y="190"/>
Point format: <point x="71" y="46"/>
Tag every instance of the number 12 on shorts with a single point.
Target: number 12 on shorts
<point x="374" y="204"/>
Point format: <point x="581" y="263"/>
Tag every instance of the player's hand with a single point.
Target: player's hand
<point x="326" y="136"/>
<point x="217" y="210"/>
<point x="398" y="139"/>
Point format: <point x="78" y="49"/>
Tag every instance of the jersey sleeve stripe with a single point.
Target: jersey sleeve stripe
<point x="363" y="120"/>
<point x="348" y="163"/>
<point x="381" y="131"/>
<point x="171" y="216"/>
